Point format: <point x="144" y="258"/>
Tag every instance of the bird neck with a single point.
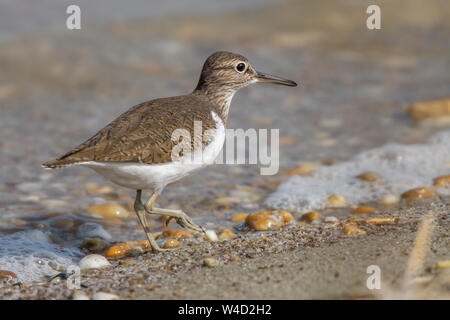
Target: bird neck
<point x="220" y="97"/>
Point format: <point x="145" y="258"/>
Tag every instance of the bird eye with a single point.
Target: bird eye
<point x="240" y="67"/>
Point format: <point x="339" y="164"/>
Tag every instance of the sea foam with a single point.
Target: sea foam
<point x="402" y="167"/>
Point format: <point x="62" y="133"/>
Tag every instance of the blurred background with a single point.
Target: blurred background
<point x="59" y="86"/>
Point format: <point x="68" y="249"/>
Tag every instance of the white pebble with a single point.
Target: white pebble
<point x="390" y="199"/>
<point x="104" y="296"/>
<point x="37" y="235"/>
<point x="212" y="236"/>
<point x="80" y="295"/>
<point x="93" y="261"/>
<point x="331" y="219"/>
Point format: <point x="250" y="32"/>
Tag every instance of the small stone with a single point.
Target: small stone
<point x="311" y="216"/>
<point x="351" y="229"/>
<point x="303" y="224"/>
<point x="108" y="210"/>
<point x="93" y="261"/>
<point x="235" y="258"/>
<point x="369" y="176"/>
<point x="211" y="262"/>
<point x="331" y="219"/>
<point x="364" y="210"/>
<point x="80" y="295"/>
<point x="390" y="199"/>
<point x="117" y="250"/>
<point x="94" y="245"/>
<point x="337" y="201"/>
<point x="443" y="264"/>
<point x="170" y="233"/>
<point x="430" y="109"/>
<point x="226" y="234"/>
<point x="104" y="296"/>
<point x="92" y="230"/>
<point x="171" y="243"/>
<point x="5" y="275"/>
<point x="304" y="168"/>
<point x="418" y="193"/>
<point x="442" y="181"/>
<point x="379" y="221"/>
<point x="211" y="235"/>
<point x="142" y="244"/>
<point x="268" y="220"/>
<point x="239" y="217"/>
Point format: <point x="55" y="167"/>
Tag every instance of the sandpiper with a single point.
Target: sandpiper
<point x="135" y="150"/>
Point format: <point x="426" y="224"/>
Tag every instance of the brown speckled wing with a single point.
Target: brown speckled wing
<point x="143" y="133"/>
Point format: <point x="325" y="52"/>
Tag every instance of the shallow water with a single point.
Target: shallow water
<point x="355" y="89"/>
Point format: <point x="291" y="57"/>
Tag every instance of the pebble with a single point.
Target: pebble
<point x="80" y="295"/>
<point x="239" y="217"/>
<point x="304" y="168"/>
<point x="171" y="243"/>
<point x="369" y="176"/>
<point x="93" y="188"/>
<point x="311" y="216"/>
<point x="364" y="210"/>
<point x="331" y="219"/>
<point x="442" y="181"/>
<point x="337" y="201"/>
<point x="104" y="296"/>
<point x="170" y="233"/>
<point x="5" y="275"/>
<point x="430" y="109"/>
<point x="226" y="234"/>
<point x="351" y="229"/>
<point x="378" y="221"/>
<point x="93" y="230"/>
<point x="211" y="235"/>
<point x="443" y="264"/>
<point x="268" y="220"/>
<point x="211" y="262"/>
<point x="117" y="250"/>
<point x="93" y="261"/>
<point x="390" y="199"/>
<point x="142" y="244"/>
<point x="108" y="210"/>
<point x="94" y="244"/>
<point x="418" y="193"/>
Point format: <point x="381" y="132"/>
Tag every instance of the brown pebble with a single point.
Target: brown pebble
<point x="226" y="234"/>
<point x="364" y="210"/>
<point x="351" y="229"/>
<point x="117" y="250"/>
<point x="239" y="217"/>
<point x="369" y="176"/>
<point x="443" y="264"/>
<point x="171" y="243"/>
<point x="442" y="181"/>
<point x="418" y="193"/>
<point x="62" y="222"/>
<point x="235" y="258"/>
<point x="379" y="221"/>
<point x="211" y="262"/>
<point x="5" y="275"/>
<point x="94" y="245"/>
<point x="304" y="168"/>
<point x="143" y="244"/>
<point x="175" y="234"/>
<point x="337" y="201"/>
<point x="311" y="216"/>
<point x="108" y="210"/>
<point x="303" y="224"/>
<point x="430" y="109"/>
<point x="268" y="220"/>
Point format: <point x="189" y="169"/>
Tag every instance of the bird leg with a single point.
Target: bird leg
<point x="180" y="217"/>
<point x="140" y="212"/>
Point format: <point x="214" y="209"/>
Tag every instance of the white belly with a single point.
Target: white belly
<point x="155" y="177"/>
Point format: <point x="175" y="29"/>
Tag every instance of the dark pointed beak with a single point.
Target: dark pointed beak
<point x="264" y="77"/>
